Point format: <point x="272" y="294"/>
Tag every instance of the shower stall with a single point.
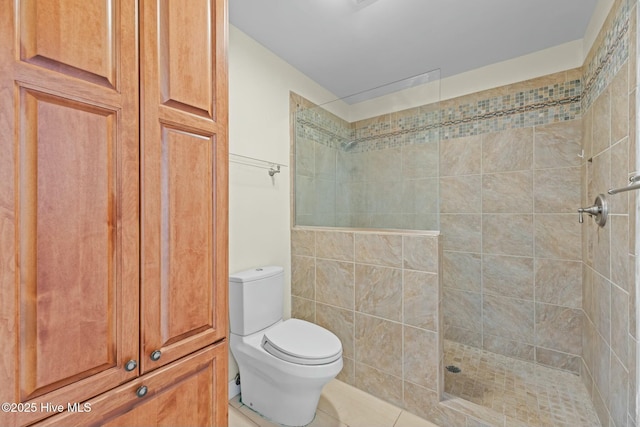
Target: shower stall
<point x="439" y="239"/>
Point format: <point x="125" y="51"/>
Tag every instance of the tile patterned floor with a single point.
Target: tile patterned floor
<point x="341" y="405"/>
<point x="525" y="393"/>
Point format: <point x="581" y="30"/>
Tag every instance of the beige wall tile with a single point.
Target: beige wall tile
<point x="462" y="270"/>
<point x="379" y="249"/>
<point x="508" y="276"/>
<point x="378" y="291"/>
<point x="601" y="240"/>
<point x="557" y="190"/>
<point x="303" y="276"/>
<point x="334" y="245"/>
<point x="558" y="145"/>
<point x="620" y="324"/>
<point x="460" y="156"/>
<point x="599" y="178"/>
<point x="379" y="344"/>
<point x="559" y="328"/>
<point x="619" y="397"/>
<point x="510" y="150"/>
<point x="340" y="322"/>
<point x="461" y="194"/>
<point x="462" y="309"/>
<point x="508" y="318"/>
<point x="463" y="336"/>
<point x="335" y="283"/>
<point x="461" y="232"/>
<point x="420" y="253"/>
<point x="517" y="349"/>
<point x="587" y="133"/>
<point x="509" y="192"/>
<point x="420" y="299"/>
<point x="558" y="282"/>
<point x="619" y="203"/>
<point x="619" y="251"/>
<point x="302" y="242"/>
<point x="508" y="234"/>
<point x="602" y="306"/>
<point x="620" y="105"/>
<point x="602" y="123"/>
<point x="421" y="357"/>
<point x="602" y="369"/>
<point x="558" y="360"/>
<point x="304" y="309"/>
<point x="557" y="236"/>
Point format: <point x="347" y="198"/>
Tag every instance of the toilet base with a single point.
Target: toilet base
<point x="287" y="404"/>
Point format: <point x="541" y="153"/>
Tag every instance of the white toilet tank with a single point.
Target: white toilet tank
<point x="255" y="299"/>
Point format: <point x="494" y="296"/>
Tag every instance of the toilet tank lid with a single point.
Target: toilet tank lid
<point x="255" y="274"/>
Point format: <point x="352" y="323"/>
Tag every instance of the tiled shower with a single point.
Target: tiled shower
<point x="494" y="180"/>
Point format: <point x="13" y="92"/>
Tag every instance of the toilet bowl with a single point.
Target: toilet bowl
<point x="284" y="364"/>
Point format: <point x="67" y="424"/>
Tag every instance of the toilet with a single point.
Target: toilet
<point x="284" y="364"/>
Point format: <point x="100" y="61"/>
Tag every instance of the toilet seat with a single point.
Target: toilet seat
<point x="301" y="342"/>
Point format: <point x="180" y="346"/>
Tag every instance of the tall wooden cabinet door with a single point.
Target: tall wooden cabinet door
<point x="69" y="221"/>
<point x="184" y="177"/>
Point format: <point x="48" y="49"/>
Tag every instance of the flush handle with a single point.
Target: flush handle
<point x="599" y="211"/>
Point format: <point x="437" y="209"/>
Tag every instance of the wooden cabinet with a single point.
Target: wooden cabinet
<point x="113" y="199"/>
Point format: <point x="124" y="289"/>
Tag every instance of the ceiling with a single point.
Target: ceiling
<point x="350" y="46"/>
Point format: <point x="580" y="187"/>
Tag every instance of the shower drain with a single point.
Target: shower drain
<point x="453" y="368"/>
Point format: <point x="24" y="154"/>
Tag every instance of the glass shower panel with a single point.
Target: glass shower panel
<point x="371" y="163"/>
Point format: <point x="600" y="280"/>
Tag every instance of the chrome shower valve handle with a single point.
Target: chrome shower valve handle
<point x="599" y="211"/>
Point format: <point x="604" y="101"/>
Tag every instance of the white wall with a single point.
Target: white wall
<point x="259" y="206"/>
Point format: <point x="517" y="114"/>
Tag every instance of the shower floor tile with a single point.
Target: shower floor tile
<point x="531" y="394"/>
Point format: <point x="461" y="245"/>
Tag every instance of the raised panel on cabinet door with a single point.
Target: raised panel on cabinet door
<point x="75" y="37"/>
<point x="180" y="302"/>
<point x="190" y="392"/>
<point x="67" y="242"/>
<point x="187" y="55"/>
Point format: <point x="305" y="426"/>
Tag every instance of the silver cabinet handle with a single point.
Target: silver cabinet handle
<point x="141" y="391"/>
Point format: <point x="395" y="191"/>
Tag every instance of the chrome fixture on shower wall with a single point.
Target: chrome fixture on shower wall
<point x="634" y="184"/>
<point x="599" y="211"/>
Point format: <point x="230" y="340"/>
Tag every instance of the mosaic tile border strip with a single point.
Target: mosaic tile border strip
<point x="516" y="116"/>
<point x="609" y="58"/>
